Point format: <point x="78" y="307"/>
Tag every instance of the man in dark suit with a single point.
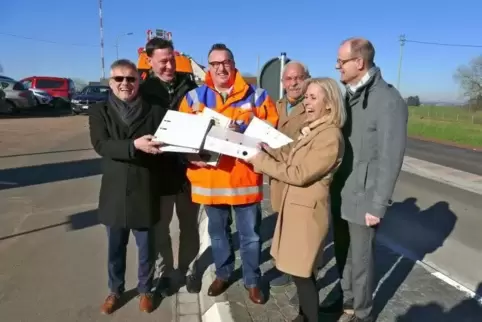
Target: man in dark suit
<point x="130" y="195"/>
<point x="166" y="86"/>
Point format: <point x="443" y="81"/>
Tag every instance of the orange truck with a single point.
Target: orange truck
<point x="183" y="63"/>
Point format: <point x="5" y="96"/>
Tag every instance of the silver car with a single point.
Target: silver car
<point x="17" y="96"/>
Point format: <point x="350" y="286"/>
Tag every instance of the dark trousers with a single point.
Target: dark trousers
<point x="309" y="298"/>
<point x="358" y="281"/>
<point x="187" y="214"/>
<point x="248" y="219"/>
<point x="118" y="238"/>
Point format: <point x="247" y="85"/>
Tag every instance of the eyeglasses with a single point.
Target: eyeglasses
<point x="120" y="79"/>
<point x="342" y="62"/>
<point x="216" y="64"/>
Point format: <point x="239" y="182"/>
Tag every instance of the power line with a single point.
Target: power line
<point x="442" y="44"/>
<point x="48" y="41"/>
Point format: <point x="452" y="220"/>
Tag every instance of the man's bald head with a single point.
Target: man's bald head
<point x="294" y="73"/>
<point x="363" y="48"/>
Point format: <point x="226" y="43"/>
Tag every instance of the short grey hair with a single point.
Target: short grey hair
<point x="363" y="48"/>
<point x="126" y="63"/>
<point x="295" y="62"/>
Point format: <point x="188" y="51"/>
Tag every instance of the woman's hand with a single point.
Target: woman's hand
<point x="146" y="144"/>
<point x="260" y="148"/>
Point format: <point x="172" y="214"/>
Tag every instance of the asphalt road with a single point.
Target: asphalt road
<point x="453" y="157"/>
<point x="438" y="224"/>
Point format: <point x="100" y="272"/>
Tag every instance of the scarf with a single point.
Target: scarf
<point x="128" y="111"/>
<point x="307" y="129"/>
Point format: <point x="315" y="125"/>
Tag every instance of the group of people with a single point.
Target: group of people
<point x="339" y="171"/>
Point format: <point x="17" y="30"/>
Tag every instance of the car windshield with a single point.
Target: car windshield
<point x="95" y="90"/>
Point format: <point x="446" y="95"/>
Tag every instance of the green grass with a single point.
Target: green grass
<point x="443" y="123"/>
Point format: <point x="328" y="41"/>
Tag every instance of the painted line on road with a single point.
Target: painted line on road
<point x="452" y="177"/>
<point x="429" y="267"/>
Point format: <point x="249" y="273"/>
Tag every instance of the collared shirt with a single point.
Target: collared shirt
<point x="224" y="93"/>
<point x="363" y="80"/>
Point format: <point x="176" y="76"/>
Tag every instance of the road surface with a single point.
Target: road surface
<point x="453" y="157"/>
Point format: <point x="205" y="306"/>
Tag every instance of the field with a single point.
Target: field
<point x="446" y="124"/>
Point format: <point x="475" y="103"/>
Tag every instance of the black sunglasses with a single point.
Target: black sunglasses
<point x="120" y="79"/>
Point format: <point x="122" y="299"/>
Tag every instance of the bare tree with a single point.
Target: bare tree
<point x="79" y="83"/>
<point x="1" y="69"/>
<point x="469" y="78"/>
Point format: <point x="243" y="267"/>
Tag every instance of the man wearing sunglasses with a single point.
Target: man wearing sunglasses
<point x="121" y="133"/>
<point x="231" y="186"/>
<point x="166" y="86"/>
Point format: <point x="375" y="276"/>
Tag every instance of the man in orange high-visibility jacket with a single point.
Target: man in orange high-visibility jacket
<point x="232" y="184"/>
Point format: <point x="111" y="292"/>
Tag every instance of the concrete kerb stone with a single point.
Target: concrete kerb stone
<point x="212" y="309"/>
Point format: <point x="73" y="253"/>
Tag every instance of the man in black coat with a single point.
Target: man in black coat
<point x="130" y="195"/>
<point x="165" y="86"/>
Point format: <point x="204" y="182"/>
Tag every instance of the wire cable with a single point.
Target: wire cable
<point x="442" y="44"/>
<point x="49" y="41"/>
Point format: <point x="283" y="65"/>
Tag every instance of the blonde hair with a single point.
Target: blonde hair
<point x="333" y="100"/>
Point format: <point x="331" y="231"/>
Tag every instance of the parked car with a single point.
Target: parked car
<point x="62" y="89"/>
<point x="42" y="97"/>
<point x="17" y="96"/>
<point x="3" y="102"/>
<point x="81" y="102"/>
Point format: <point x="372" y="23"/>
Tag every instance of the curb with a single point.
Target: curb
<point x="215" y="309"/>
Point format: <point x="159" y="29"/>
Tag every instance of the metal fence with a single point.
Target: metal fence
<point x="446" y="115"/>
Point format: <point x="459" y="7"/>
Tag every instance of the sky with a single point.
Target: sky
<point x="62" y="38"/>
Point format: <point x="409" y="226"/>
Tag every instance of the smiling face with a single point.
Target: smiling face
<point x="124" y="83"/>
<point x="163" y="63"/>
<point x="314" y="102"/>
<point x="293" y="77"/>
<point x="221" y="68"/>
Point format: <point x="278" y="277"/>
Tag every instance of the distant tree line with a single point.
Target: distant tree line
<point x="413" y="101"/>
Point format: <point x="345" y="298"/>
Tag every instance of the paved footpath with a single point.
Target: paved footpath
<point x="52" y="250"/>
<point x="407" y="291"/>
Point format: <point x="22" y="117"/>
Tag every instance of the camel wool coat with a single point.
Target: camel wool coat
<point x="290" y="125"/>
<point x="307" y="170"/>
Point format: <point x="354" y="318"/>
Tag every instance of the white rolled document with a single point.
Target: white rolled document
<point x="265" y="132"/>
<point x="182" y="132"/>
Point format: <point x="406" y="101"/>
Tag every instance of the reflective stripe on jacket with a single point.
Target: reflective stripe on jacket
<point x="233" y="181"/>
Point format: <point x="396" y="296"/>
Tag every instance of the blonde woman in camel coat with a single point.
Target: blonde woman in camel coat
<point x="307" y="168"/>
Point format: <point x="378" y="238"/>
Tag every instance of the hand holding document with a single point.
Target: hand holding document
<point x="196" y="133"/>
<point x="182" y="132"/>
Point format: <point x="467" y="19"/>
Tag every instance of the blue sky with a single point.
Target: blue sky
<point x="310" y="32"/>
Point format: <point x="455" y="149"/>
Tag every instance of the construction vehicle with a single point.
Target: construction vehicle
<point x="184" y="63"/>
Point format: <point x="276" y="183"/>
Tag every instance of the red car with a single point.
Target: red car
<point x="58" y="87"/>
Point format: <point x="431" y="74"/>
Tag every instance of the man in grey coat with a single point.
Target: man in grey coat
<point x="375" y="135"/>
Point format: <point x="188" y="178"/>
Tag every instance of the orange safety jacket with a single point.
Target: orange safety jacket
<point x="233" y="181"/>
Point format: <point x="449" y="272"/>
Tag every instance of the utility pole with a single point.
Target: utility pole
<point x="101" y="42"/>
<point x="402" y="44"/>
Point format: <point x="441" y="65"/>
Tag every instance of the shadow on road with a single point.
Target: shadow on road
<point x="46" y="173"/>
<point x="468" y="310"/>
<point x="44" y="153"/>
<point x="38" y="112"/>
<point x="81" y="220"/>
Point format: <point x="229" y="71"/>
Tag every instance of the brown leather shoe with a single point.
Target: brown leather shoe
<point x="218" y="287"/>
<point x="110" y="304"/>
<point x="145" y="303"/>
<point x="255" y="295"/>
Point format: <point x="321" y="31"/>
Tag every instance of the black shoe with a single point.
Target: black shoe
<point x="193" y="284"/>
<point x="335" y="307"/>
<point x="165" y="287"/>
